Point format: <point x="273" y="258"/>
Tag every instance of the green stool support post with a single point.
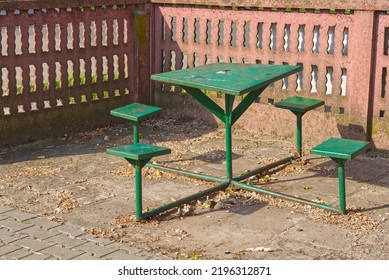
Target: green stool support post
<point x="299" y="106"/>
<point x="136" y="113"/>
<point x="138" y="155"/>
<point x="341" y="150"/>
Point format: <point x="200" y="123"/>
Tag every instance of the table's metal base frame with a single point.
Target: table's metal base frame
<point x="225" y="183"/>
<point x="229" y="115"/>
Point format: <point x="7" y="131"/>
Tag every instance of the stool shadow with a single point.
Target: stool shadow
<point x="247" y="209"/>
<point x="215" y="156"/>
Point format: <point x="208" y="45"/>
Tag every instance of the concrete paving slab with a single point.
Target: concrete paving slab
<point x="8" y="236"/>
<point x="38" y="233"/>
<point x="5" y="208"/>
<point x="19" y="215"/>
<point x="14" y="225"/>
<point x="96" y="250"/>
<point x="37" y="257"/>
<point x="34" y="245"/>
<point x="8" y="248"/>
<point x="59" y="252"/>
<point x="66" y="242"/>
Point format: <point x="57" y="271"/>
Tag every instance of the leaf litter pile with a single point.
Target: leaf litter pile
<point x="64" y="200"/>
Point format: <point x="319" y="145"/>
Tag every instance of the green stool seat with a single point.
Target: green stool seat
<point x="138" y="151"/>
<point x="299" y="106"/>
<point x="138" y="155"/>
<point x="341" y="150"/>
<point x="136" y="113"/>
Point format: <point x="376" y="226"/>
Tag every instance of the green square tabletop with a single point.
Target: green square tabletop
<point x="230" y="78"/>
<point x="299" y="104"/>
<point x="138" y="151"/>
<point x="135" y="112"/>
<point x="341" y="148"/>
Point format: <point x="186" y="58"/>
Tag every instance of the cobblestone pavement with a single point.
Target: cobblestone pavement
<point x="25" y="236"/>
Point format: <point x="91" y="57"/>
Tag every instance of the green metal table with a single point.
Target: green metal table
<point x="232" y="80"/>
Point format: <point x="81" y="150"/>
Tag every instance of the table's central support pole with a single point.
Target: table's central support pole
<point x="136" y="132"/>
<point x="229" y="102"/>
<point x="228" y="116"/>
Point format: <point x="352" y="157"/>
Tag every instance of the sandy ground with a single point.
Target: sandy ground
<point x="72" y="180"/>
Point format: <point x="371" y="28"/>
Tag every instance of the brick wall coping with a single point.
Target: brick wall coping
<point x="366" y="5"/>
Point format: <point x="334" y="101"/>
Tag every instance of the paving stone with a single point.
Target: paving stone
<point x="125" y="247"/>
<point x="4" y="209"/>
<point x="14" y="225"/>
<point x="150" y="256"/>
<point x="52" y="258"/>
<point x="59" y="252"/>
<point x="19" y="215"/>
<point x="6" y="249"/>
<point x="97" y="240"/>
<point x="66" y="241"/>
<point x="96" y="250"/>
<point x="86" y="256"/>
<point x="8" y="236"/>
<point x="18" y="254"/>
<point x="3" y="217"/>
<point x="45" y="223"/>
<point x="123" y="255"/>
<point x="32" y="244"/>
<point x="39" y="233"/>
<point x="157" y="258"/>
<point x="71" y="231"/>
<point x="35" y="256"/>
